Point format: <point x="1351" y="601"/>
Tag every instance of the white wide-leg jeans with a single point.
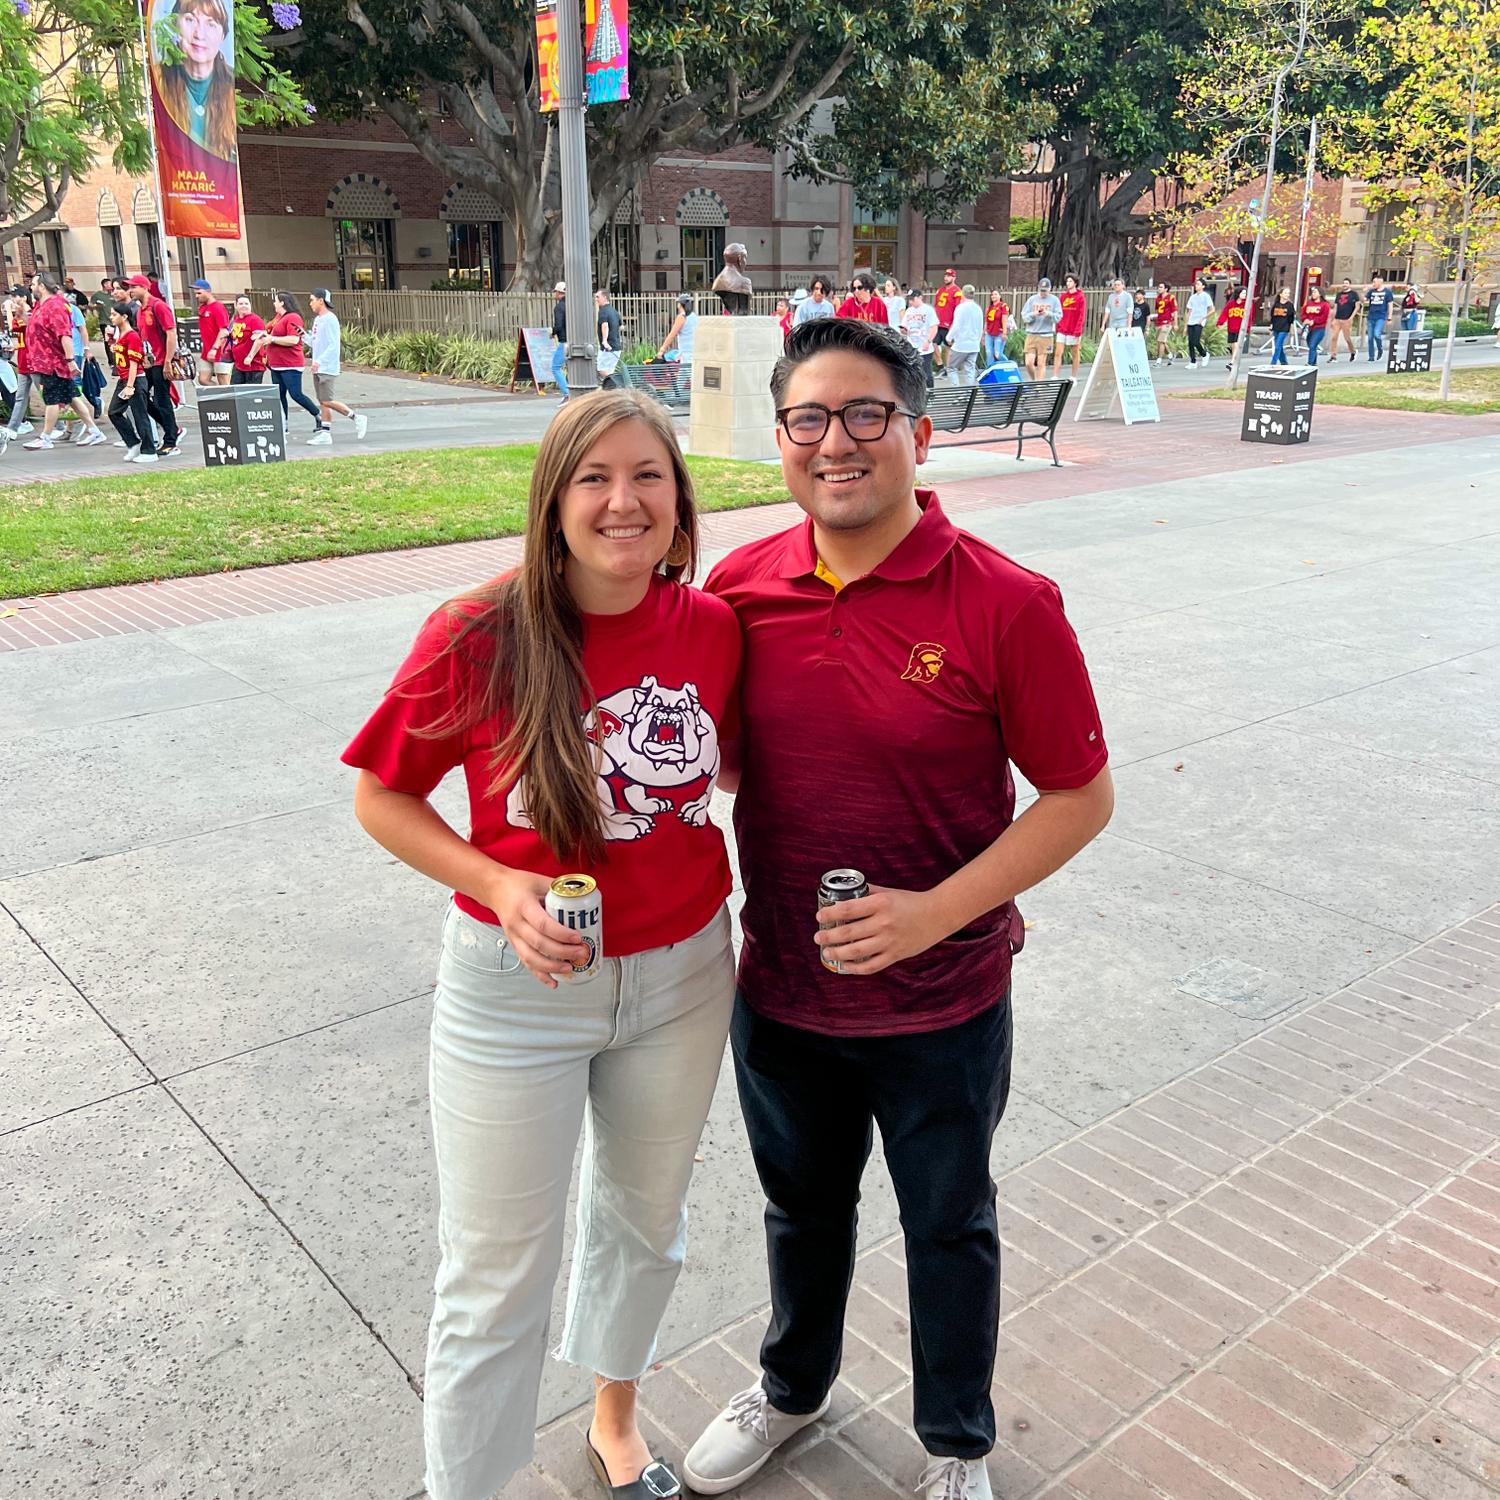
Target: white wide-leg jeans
<point x="632" y="1055"/>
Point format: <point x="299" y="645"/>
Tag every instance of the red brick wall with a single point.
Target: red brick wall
<point x="747" y="195"/>
<point x="301" y="177"/>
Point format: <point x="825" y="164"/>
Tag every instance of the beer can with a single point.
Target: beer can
<point x="837" y="886"/>
<point x="574" y="900"/>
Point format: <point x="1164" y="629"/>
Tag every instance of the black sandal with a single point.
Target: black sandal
<point x="657" y="1480"/>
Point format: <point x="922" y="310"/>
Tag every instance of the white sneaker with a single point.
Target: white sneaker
<point x="361" y="424"/>
<point x="145" y="458"/>
<point x="128" y="456"/>
<point x="740" y="1440"/>
<point x="955" y="1479"/>
<point x="39" y="443"/>
<point x="92" y="439"/>
<point x="4" y="440"/>
<point x="23" y="430"/>
<point x="321" y="438"/>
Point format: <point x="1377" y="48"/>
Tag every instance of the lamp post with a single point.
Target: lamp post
<point x="582" y="315"/>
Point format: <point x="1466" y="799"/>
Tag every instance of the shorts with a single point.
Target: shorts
<point x="215" y="366"/>
<point x="1067" y="340"/>
<point x="323" y="388"/>
<point x="1038" y="343"/>
<point x="59" y="390"/>
<point x="940" y="337"/>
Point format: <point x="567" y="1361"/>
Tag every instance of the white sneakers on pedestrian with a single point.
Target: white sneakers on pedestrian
<point x="321" y="438"/>
<point x="90" y="439"/>
<point x="25" y="429"/>
<point x="955" y="1479"/>
<point x="145" y="458"/>
<point x="739" y="1441"/>
<point x="128" y="456"/>
<point x="361" y="424"/>
<point x="40" y="443"/>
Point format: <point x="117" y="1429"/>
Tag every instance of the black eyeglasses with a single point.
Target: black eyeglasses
<point x="864" y="421"/>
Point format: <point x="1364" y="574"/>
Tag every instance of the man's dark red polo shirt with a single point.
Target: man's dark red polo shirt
<point x="881" y="719"/>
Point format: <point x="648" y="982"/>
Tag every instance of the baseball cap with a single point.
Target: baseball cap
<point x="200" y="285"/>
<point x="949" y="271"/>
<point x="321" y="293"/>
<point x="561" y="286"/>
<point x="139" y="280"/>
<point x="1045" y="281"/>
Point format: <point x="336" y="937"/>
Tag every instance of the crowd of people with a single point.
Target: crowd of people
<point x="48" y="362"/>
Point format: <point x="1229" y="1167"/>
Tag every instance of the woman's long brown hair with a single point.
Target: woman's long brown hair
<point x="219" y="118"/>
<point x="528" y="632"/>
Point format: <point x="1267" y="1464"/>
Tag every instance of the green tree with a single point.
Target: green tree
<point x="72" y="89"/>
<point x="914" y="95"/>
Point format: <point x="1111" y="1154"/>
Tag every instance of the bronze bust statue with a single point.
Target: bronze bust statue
<point x="732" y="284"/>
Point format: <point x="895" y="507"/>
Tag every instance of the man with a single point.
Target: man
<point x="560" y="339"/>
<point x="103" y="300"/>
<point x="817" y="304"/>
<point x="862" y="303"/>
<point x="74" y="293"/>
<point x="158" y="330"/>
<point x="1039" y="317"/>
<point x="1165" y="318"/>
<point x="1345" y="305"/>
<point x="881" y="717"/>
<point x="327" y="364"/>
<point x="609" y="340"/>
<point x="53" y="356"/>
<point x="215" y="364"/>
<point x="965" y="335"/>
<point x="1116" y="308"/>
<point x="1379" y="299"/>
<point x="919" y="323"/>
<point x="1199" y="305"/>
<point x="945" y="304"/>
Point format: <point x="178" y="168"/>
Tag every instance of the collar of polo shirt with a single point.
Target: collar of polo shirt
<point x="914" y="556"/>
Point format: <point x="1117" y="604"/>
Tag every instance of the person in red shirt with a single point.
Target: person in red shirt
<point x="247" y="351"/>
<point x="997" y="326"/>
<point x="1315" y="314"/>
<point x="127" y="407"/>
<point x="215" y="364"/>
<point x="282" y="346"/>
<point x="862" y="303"/>
<point x="588" y="698"/>
<point x="784" y="316"/>
<point x="1166" y="318"/>
<point x="54" y="360"/>
<point x="17" y="315"/>
<point x="895" y="668"/>
<point x="1231" y="319"/>
<point x="1075" y="308"/>
<point x="945" y="303"/>
<point x="157" y="327"/>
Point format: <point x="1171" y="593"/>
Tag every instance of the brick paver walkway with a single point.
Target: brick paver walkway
<point x="1276" y="1278"/>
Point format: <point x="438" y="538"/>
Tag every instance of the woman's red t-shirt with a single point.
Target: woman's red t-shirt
<point x="666" y="676"/>
<point x="240" y="345"/>
<point x="1315" y="314"/>
<point x="995" y="316"/>
<point x="286" y="356"/>
<point x="127" y="350"/>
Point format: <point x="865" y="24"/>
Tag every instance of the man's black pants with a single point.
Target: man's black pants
<point x="159" y="404"/>
<point x="810" y="1104"/>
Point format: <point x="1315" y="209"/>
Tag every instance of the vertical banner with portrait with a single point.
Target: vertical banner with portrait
<point x="192" y="100"/>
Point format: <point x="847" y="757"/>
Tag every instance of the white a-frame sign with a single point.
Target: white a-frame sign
<point x="1119" y="382"/>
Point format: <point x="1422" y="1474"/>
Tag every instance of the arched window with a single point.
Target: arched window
<point x="702" y="218"/>
<point x="364" y="211"/>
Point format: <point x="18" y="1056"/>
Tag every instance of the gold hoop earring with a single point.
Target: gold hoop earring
<point x="680" y="553"/>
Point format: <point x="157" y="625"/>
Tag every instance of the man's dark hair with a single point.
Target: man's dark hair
<point x="856" y="337"/>
<point x="865" y="279"/>
<point x="49" y="281"/>
<point x="821" y="281"/>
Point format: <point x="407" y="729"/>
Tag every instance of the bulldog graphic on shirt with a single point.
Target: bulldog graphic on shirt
<point x="658" y="744"/>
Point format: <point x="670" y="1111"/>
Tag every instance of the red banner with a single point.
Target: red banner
<point x="192" y="102"/>
<point x="546" y="55"/>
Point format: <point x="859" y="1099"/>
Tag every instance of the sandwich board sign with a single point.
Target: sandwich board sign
<point x="533" y="358"/>
<point x="1119" y="381"/>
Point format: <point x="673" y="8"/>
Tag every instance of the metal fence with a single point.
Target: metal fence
<point x="645" y="317"/>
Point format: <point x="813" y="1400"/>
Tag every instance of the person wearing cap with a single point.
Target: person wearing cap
<point x="965" y="335"/>
<point x="327" y="344"/>
<point x="215" y="364"/>
<point x="158" y="330"/>
<point x="862" y="303"/>
<point x="560" y="338"/>
<point x="919" y="324"/>
<point x="944" y="304"/>
<point x="1040" y="317"/>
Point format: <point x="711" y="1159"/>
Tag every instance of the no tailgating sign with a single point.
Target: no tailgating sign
<point x="1119" y="383"/>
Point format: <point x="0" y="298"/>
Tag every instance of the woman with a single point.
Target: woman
<point x="1199" y="305"/>
<point x="784" y="316"/>
<point x="1282" y="316"/>
<point x="895" y="301"/>
<point x="585" y="695"/>
<point x="194" y="80"/>
<point x="997" y="326"/>
<point x="245" y="349"/>
<point x="1411" y="304"/>
<point x="1070" y="326"/>
<point x="1315" y="313"/>
<point x="281" y="344"/>
<point x="127" y="406"/>
<point x="1232" y="319"/>
<point x="682" y="334"/>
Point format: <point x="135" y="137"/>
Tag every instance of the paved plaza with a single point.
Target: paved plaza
<point x="1249" y="1179"/>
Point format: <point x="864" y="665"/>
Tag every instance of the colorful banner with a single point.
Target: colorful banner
<point x="192" y="101"/>
<point x="606" y="52"/>
<point x="546" y="55"/>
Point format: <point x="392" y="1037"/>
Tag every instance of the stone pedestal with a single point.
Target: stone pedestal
<point x="732" y="415"/>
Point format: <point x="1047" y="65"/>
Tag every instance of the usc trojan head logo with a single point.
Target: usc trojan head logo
<point x="925" y="663"/>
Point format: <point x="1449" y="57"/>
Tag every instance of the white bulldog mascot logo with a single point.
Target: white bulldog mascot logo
<point x="657" y="744"/>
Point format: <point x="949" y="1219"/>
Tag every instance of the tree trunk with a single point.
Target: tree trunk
<point x="1093" y="232"/>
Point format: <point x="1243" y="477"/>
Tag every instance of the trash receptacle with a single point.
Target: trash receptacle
<point x="1002" y="372"/>
<point x="1279" y="404"/>
<point x="1408" y="351"/>
<point x="241" y="424"/>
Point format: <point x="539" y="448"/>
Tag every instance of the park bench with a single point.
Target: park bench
<point x="671" y="384"/>
<point x="1032" y="410"/>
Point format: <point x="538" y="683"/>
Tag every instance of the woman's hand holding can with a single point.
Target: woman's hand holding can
<point x="543" y="945"/>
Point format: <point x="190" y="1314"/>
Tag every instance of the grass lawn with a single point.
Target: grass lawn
<point x="165" y="524"/>
<point x="1475" y="391"/>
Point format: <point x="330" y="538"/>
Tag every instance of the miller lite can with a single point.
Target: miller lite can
<point x="836" y="886"/>
<point x="574" y="900"/>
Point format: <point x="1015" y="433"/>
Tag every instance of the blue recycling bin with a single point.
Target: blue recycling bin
<point x="1002" y="372"/>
